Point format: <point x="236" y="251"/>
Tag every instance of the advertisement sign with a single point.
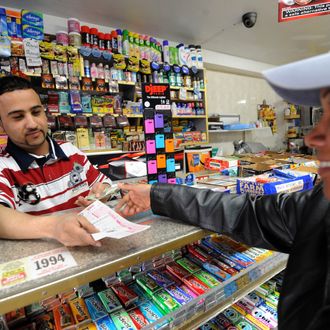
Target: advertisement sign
<point x="289" y="10"/>
<point x="156" y="96"/>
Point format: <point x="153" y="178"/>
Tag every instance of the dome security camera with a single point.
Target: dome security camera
<point x="249" y="19"/>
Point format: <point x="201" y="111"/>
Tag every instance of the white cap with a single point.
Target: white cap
<point x="300" y="82"/>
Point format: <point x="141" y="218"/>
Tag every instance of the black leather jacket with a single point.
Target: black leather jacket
<point x="297" y="223"/>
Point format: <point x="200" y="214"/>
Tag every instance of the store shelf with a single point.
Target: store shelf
<point x="98" y="152"/>
<point x="129" y="83"/>
<point x="92" y="263"/>
<point x="199" y="320"/>
<point x="210" y="304"/>
<point x="189" y="116"/>
<point x="133" y="116"/>
<point x="292" y="117"/>
<point x="183" y="101"/>
<point x="190" y="144"/>
<point x="186" y="88"/>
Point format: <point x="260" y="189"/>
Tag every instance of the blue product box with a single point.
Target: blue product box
<point x="287" y="182"/>
<point x="3" y="22"/>
<point x="32" y="18"/>
<point x="32" y="32"/>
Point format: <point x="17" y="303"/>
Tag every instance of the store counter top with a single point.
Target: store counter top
<point x="92" y="262"/>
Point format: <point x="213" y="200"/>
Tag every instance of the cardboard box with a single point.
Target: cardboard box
<point x="220" y="163"/>
<point x="287" y="181"/>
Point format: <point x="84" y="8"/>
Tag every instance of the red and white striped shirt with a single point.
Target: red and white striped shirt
<point x="52" y="187"/>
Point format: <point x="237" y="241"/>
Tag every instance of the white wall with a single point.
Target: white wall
<point x="229" y="93"/>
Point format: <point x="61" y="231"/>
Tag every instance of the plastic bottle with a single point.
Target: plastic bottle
<point x="181" y="54"/>
<point x="125" y="43"/>
<point x="107" y="75"/>
<point x="114" y="40"/>
<point x="199" y="57"/>
<point x="147" y="48"/>
<point x="141" y="46"/>
<point x="85" y="36"/>
<point x="120" y="41"/>
<point x="172" y="79"/>
<point x="166" y="51"/>
<point x="107" y="41"/>
<point x="137" y="45"/>
<point x="131" y="44"/>
<point x="87" y="70"/>
<point x="94" y="39"/>
<point x="192" y="56"/>
<point x="94" y="71"/>
<point x="159" y="52"/>
<point x="101" y="40"/>
<point x="100" y="71"/>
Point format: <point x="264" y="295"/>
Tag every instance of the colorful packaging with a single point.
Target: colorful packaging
<point x="88" y="326"/>
<point x="216" y="271"/>
<point x="105" y="323"/>
<point x="122" y="320"/>
<point x="125" y="294"/>
<point x="207" y="278"/>
<point x="195" y="285"/>
<point x="177" y="270"/>
<point x="147" y="283"/>
<point x="159" y="278"/>
<point x="32" y="18"/>
<point x="151" y="312"/>
<point x="63" y="317"/>
<point x="32" y="32"/>
<point x="139" y="291"/>
<point x="188" y="265"/>
<point x="165" y="301"/>
<point x="95" y="307"/>
<point x="109" y="300"/>
<point x="79" y="310"/>
<point x="14" y="23"/>
<point x="138" y="318"/>
<point x="3" y="23"/>
<point x="179" y="295"/>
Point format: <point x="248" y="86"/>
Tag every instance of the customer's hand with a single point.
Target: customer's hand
<point x="73" y="230"/>
<point x="96" y="190"/>
<point x="136" y="199"/>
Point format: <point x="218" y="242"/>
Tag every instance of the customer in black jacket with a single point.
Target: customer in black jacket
<point x="297" y="223"/>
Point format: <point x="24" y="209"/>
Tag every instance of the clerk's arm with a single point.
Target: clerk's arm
<point x="69" y="229"/>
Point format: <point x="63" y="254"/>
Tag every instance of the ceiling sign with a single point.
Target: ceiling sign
<point x="289" y="10"/>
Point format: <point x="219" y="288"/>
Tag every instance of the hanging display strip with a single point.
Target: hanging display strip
<point x="159" y="142"/>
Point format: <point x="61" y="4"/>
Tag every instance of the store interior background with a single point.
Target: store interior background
<point x="234" y="56"/>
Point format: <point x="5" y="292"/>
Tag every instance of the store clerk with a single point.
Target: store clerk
<point x="297" y="223"/>
<point x="38" y="176"/>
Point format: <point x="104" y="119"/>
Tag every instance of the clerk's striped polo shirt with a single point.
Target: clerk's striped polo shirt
<point x="49" y="184"/>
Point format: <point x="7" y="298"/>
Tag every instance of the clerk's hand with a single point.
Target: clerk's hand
<point x="136" y="199"/>
<point x="73" y="230"/>
<point x="97" y="190"/>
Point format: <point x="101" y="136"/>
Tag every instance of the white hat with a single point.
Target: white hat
<point x="300" y="82"/>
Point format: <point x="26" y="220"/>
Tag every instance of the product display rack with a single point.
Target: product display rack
<point x="94" y="263"/>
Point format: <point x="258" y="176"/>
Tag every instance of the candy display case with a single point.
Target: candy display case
<point x="115" y="255"/>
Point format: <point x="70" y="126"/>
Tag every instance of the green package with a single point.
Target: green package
<point x="188" y="265"/>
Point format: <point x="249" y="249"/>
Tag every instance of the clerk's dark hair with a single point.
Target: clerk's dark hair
<point x="13" y="83"/>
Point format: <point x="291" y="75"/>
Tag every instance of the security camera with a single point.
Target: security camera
<point x="249" y="19"/>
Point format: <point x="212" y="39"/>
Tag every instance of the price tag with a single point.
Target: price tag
<point x="32" y="267"/>
<point x="50" y="261"/>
